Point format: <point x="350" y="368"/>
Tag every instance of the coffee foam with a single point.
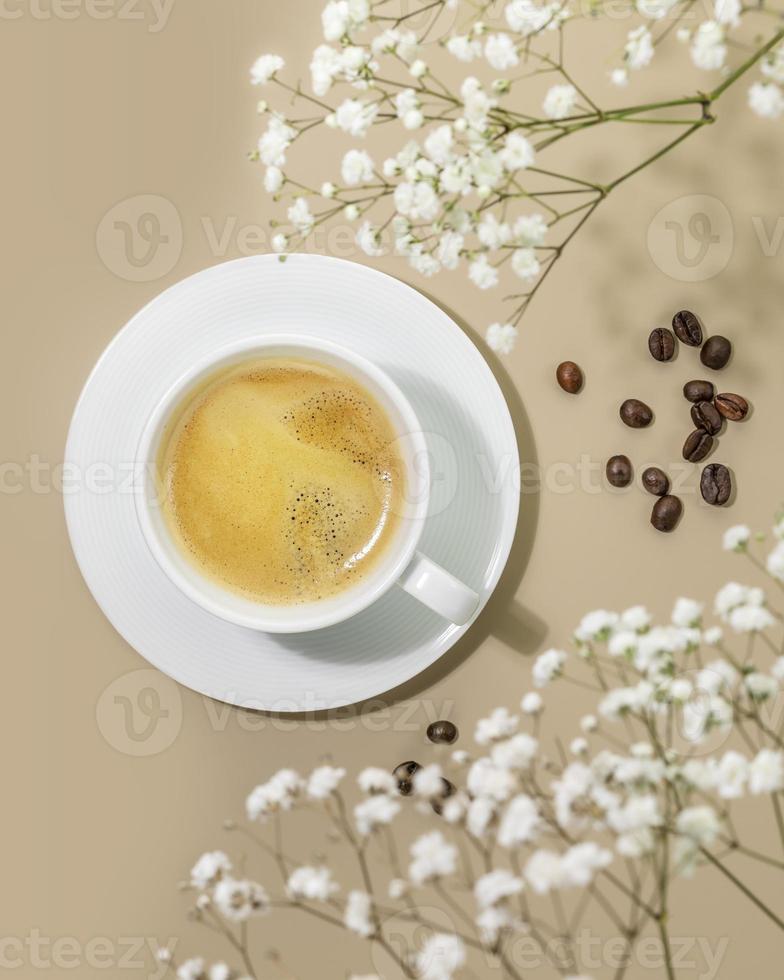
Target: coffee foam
<point x="280" y="480"/>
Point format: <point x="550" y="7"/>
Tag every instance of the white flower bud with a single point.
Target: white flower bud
<point x="351" y="212"/>
<point x="418" y="68"/>
<point x="328" y="189"/>
<point x="484" y="191"/>
<point x="331" y="120"/>
<point x="261" y="107"/>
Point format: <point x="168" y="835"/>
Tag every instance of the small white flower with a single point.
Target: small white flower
<point x="357" y="167"/>
<point x="351" y="212"/>
<point x="355" y="117"/>
<point x="596" y="625"/>
<point x="428" y="781"/>
<point x="580" y="862"/>
<point x="438" y="144"/>
<point x="264" y="68"/>
<point x="530" y="229"/>
<point x="418" y="201"/>
<point x="193" y="969"/>
<point x="374" y="811"/>
<point x="547" y="667"/>
<point x="274" y="142"/>
<point x="501" y="337"/>
<point x="373" y="779"/>
<point x="736" y="538"/>
<point x="777" y="670"/>
<point x="520" y="822"/>
<point x="495" y="886"/>
<point x="418" y="68"/>
<point x="589" y="723"/>
<point x="368" y="241"/>
<point x="273" y="179"/>
<point x="731" y="775"/>
<point x="479" y="815"/>
<point x="766" y="772"/>
<point x="219" y="971"/>
<point x="560" y="101"/>
<point x="761" y="686"/>
<point x="397" y="888"/>
<point x="775" y="562"/>
<point x="766" y="100"/>
<point x="440" y="957"/>
<point x="328" y="189"/>
<point x="699" y="823"/>
<point x="500" y="52"/>
<point x="525" y="264"/>
<point x="750" y="619"/>
<point x="531" y="703"/>
<point x="476" y="103"/>
<point x="578" y="746"/>
<point x="339" y="17"/>
<point x="727" y="12"/>
<point x="528" y="17"/>
<point x="432" y="857"/>
<point x="543" y="871"/>
<point x="463" y="47"/>
<point x="324" y="780"/>
<point x="279" y="242"/>
<point x="357" y="915"/>
<point x="448" y="250"/>
<point x="482" y="274"/>
<point x="278" y="793"/>
<point x="517" y="152"/>
<point x="619" y="77"/>
<point x="639" y="48"/>
<point x="623" y="643"/>
<point x="408" y="109"/>
<point x="487" y="779"/>
<point x="733" y="595"/>
<point x="324" y="67"/>
<point x="499" y="724"/>
<point x="687" y="612"/>
<point x="518" y="752"/>
<point x="635" y="618"/>
<point x="314" y="884"/>
<point x="209" y="869"/>
<point x="492" y="920"/>
<point x="708" y="50"/>
<point x="300" y="216"/>
<point x="239" y="900"/>
<point x="712" y="637"/>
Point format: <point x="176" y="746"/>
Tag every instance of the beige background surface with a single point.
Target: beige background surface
<point x="97" y="111"/>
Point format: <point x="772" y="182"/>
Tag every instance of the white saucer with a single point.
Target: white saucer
<point x="474" y="457"/>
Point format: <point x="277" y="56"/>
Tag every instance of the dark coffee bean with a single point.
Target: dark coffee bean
<point x="636" y="413"/>
<point x="447" y="789"/>
<point x="697" y="445"/>
<point x="716" y="484"/>
<point x="716" y="352"/>
<point x="732" y="407"/>
<point x="661" y="344"/>
<point x="569" y="377"/>
<point x="619" y="471"/>
<point x="687" y="328"/>
<point x="666" y="513"/>
<point x="442" y="732"/>
<point x="655" y="481"/>
<point x="706" y="416"/>
<point x="698" y="391"/>
<point x="403" y="774"/>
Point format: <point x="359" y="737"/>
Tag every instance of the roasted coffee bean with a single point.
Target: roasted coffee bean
<point x="636" y="413"/>
<point x="697" y="445"/>
<point x="706" y="416"/>
<point x="403" y="774"/>
<point x="698" y="391"/>
<point x="687" y="328"/>
<point x="619" y="471"/>
<point x="732" y="407"/>
<point x="716" y="484"/>
<point x="569" y="377"/>
<point x="661" y="344"/>
<point x="655" y="481"/>
<point x="716" y="352"/>
<point x="447" y="789"/>
<point x="442" y="732"/>
<point x="666" y="512"/>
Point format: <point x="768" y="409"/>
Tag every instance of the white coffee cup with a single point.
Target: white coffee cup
<point x="400" y="563"/>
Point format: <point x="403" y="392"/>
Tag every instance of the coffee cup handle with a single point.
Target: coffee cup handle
<point x="439" y="590"/>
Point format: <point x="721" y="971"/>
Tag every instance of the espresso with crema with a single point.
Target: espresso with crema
<point x="280" y="480"/>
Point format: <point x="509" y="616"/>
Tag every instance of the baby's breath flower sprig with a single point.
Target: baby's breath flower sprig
<point x="462" y="190"/>
<point x="528" y="834"/>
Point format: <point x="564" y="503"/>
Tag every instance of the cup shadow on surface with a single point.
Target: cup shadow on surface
<point x="504" y="616"/>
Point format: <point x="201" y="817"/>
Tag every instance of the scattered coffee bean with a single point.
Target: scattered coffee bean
<point x="447" y="789"/>
<point x="716" y="484"/>
<point x="442" y="732"/>
<point x="687" y="328"/>
<point x="403" y="774"/>
<point x="666" y="512"/>
<point x="698" y="391"/>
<point x="569" y="377"/>
<point x="661" y="344"/>
<point x="716" y="352"/>
<point x="636" y="413"/>
<point x="732" y="407"/>
<point x="706" y="416"/>
<point x="655" y="481"/>
<point x="697" y="445"/>
<point x="619" y="471"/>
